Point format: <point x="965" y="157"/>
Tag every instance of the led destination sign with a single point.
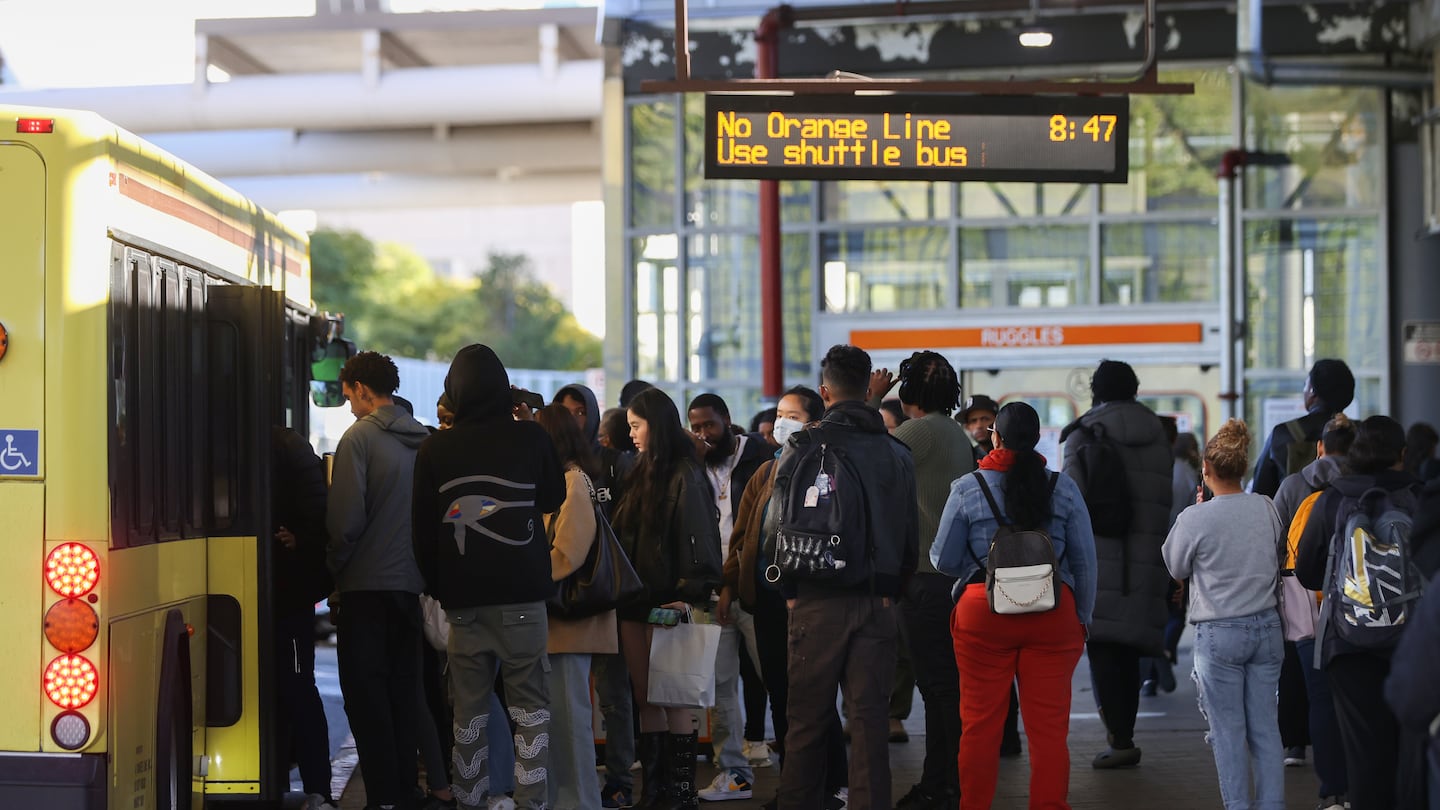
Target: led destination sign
<point x="920" y="137"/>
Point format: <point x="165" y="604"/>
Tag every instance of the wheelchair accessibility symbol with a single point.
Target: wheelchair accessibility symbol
<point x="19" y="452"/>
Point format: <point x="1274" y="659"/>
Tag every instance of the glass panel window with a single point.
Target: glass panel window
<point x="1314" y="290"/>
<point x="652" y="164"/>
<point x="723" y="306"/>
<point x="797" y="281"/>
<point x="884" y="200"/>
<point x="1034" y="266"/>
<point x="1333" y="137"/>
<point x="884" y="269"/>
<point x="712" y="202"/>
<point x="1175" y="145"/>
<point x="796" y="201"/>
<point x="1006" y="200"/>
<point x="1159" y="262"/>
<point x="657" y="307"/>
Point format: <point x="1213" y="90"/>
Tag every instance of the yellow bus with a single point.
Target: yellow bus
<point x="154" y="325"/>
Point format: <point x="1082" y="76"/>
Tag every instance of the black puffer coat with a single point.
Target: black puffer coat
<point x="1130" y="600"/>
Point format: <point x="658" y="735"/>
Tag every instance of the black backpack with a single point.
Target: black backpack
<point x="1103" y="483"/>
<point x="824" y="517"/>
<point x="1372" y="585"/>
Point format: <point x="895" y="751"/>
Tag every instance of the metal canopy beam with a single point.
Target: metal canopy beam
<point x="1144" y="80"/>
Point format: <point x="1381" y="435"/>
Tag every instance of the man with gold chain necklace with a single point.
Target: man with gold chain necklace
<point x="730" y="461"/>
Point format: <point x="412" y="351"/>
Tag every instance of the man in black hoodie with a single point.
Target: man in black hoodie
<point x="845" y="637"/>
<point x="482" y="489"/>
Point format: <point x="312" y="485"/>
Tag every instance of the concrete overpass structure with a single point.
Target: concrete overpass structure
<point x="366" y="109"/>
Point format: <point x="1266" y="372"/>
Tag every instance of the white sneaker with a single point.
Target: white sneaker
<point x="726" y="786"/>
<point x="839" y="801"/>
<point x="500" y="803"/>
<point x="757" y="753"/>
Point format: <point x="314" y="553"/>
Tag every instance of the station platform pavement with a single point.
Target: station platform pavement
<point x="1177" y="771"/>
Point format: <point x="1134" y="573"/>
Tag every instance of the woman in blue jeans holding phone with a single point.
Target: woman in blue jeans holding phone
<point x="1229" y="548"/>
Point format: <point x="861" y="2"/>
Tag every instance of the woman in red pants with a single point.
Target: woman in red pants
<point x="1039" y="649"/>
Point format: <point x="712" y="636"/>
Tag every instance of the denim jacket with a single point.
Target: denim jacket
<point x="967" y="524"/>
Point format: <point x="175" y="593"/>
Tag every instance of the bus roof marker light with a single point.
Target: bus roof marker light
<point x="72" y="570"/>
<point x="35" y="126"/>
<point x="4" y="340"/>
<point x="71" y="681"/>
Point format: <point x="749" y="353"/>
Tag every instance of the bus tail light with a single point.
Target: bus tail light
<point x="71" y="681"/>
<point x="71" y="625"/>
<point x="72" y="570"/>
<point x="70" y="730"/>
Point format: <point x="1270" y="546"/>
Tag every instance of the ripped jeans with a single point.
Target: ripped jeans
<point x="1237" y="674"/>
<point x="510" y="640"/>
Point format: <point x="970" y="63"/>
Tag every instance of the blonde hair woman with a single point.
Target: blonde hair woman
<point x="1229" y="548"/>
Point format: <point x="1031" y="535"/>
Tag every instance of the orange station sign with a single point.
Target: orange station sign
<point x="1028" y="337"/>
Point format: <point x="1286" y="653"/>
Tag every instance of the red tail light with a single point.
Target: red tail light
<point x="71" y="681"/>
<point x="72" y="570"/>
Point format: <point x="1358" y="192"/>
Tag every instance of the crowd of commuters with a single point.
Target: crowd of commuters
<point x="917" y="501"/>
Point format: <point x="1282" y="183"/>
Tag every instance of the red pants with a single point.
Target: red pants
<point x="991" y="651"/>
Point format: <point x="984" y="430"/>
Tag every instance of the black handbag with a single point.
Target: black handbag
<point x="605" y="580"/>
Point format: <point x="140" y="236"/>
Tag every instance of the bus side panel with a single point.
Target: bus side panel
<point x="21" y="579"/>
<point x="137" y="650"/>
<point x="22" y="415"/>
<point x="233" y="751"/>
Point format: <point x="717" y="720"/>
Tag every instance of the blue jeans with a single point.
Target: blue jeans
<point x="1237" y="673"/>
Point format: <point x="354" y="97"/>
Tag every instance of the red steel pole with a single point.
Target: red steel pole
<point x="772" y="335"/>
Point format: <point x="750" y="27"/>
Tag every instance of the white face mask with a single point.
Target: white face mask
<point x="785" y="428"/>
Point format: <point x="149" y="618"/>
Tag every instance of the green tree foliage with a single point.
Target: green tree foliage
<point x="394" y="303"/>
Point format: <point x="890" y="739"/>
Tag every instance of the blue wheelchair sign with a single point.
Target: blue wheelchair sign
<point x="19" y="452"/>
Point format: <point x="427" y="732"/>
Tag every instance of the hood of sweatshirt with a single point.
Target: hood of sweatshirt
<point x="396" y="421"/>
<point x="1320" y="472"/>
<point x="592" y="407"/>
<point x="855" y="414"/>
<point x="478" y="385"/>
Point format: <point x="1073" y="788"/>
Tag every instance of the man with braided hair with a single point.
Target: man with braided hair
<point x="929" y="393"/>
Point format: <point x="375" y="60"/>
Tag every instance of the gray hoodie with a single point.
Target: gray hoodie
<point x="368" y="514"/>
<point x="1297" y="487"/>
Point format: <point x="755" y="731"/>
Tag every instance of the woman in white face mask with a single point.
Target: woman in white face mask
<point x="744" y="578"/>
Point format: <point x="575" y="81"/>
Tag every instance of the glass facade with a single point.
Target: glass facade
<point x="1313" y="257"/>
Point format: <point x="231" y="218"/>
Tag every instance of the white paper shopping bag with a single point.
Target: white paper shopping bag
<point x="682" y="665"/>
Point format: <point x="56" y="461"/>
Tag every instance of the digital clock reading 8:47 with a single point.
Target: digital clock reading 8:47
<point x="1098" y="127"/>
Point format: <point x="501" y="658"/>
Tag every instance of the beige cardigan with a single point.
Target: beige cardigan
<point x="574" y="533"/>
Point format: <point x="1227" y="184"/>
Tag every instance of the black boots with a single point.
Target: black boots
<point x="650" y="748"/>
<point x="681" y="776"/>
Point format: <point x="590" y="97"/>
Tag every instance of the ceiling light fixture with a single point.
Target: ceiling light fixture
<point x="1036" y="38"/>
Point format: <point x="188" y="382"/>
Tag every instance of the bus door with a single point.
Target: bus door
<point x="246" y="339"/>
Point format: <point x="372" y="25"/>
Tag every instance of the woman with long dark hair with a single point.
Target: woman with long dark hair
<point x="572" y="783"/>
<point x="1228" y="548"/>
<point x="667" y="522"/>
<point x="1040" y="650"/>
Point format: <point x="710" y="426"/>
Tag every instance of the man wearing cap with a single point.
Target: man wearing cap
<point x="977" y="417"/>
<point x="1329" y="389"/>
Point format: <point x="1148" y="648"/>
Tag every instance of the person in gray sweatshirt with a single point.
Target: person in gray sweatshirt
<point x="1229" y="548"/>
<point x="378" y="634"/>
